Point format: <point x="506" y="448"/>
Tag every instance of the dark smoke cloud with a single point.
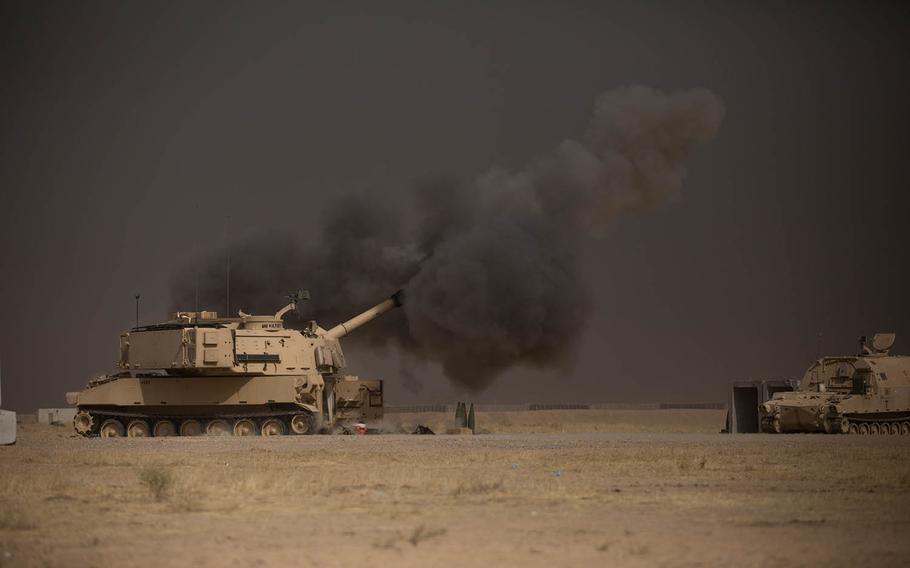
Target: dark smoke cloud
<point x="490" y="267"/>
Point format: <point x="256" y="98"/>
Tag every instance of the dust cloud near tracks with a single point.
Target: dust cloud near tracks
<point x="624" y="498"/>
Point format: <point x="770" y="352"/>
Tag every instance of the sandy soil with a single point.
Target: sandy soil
<point x="563" y="499"/>
<point x="570" y="421"/>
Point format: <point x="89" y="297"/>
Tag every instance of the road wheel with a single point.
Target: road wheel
<point x="191" y="427"/>
<point x="164" y="428"/>
<point x="138" y="429"/>
<point x="272" y="427"/>
<point x="864" y="429"/>
<point x="84" y="423"/>
<point x="895" y="428"/>
<point x="835" y="425"/>
<point x="853" y="428"/>
<point x="245" y="427"/>
<point x="303" y="423"/>
<point x="884" y="429"/>
<point x="905" y="428"/>
<point x="873" y="429"/>
<point x="218" y="427"/>
<point x="111" y="428"/>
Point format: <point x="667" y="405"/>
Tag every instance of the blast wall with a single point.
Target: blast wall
<point x="745" y="398"/>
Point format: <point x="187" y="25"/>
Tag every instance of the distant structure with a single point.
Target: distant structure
<point x="7" y="420"/>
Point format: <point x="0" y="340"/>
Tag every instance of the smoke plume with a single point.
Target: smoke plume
<point x="489" y="266"/>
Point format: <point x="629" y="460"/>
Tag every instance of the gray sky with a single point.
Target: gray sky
<point x="130" y="132"/>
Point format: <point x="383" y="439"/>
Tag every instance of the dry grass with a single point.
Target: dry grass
<point x="159" y="481"/>
<point x="477" y="488"/>
<point x="422" y="533"/>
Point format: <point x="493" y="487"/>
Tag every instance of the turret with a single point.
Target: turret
<point x="201" y="343"/>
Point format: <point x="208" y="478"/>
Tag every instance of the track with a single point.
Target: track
<point x="93" y="423"/>
<point x="862" y="425"/>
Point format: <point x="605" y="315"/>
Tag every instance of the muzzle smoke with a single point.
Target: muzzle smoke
<point x="489" y="267"/>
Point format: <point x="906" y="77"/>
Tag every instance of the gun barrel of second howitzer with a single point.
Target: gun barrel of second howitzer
<point x="347" y="327"/>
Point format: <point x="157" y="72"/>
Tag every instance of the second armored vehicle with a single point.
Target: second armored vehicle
<point x="247" y="375"/>
<point x="868" y="393"/>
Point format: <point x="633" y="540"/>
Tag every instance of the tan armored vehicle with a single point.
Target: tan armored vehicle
<point x="243" y="376"/>
<point x="864" y="394"/>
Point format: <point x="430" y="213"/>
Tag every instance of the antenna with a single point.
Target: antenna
<point x="137" y="310"/>
<point x="227" y="244"/>
<point x="196" y="269"/>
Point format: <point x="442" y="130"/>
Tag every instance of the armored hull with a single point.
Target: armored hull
<point x="864" y="394"/>
<point x="200" y="374"/>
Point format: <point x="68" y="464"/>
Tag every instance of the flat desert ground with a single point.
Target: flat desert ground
<point x="548" y="488"/>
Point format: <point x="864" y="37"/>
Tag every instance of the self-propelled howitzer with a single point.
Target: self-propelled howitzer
<point x="246" y="375"/>
<point x="866" y="393"/>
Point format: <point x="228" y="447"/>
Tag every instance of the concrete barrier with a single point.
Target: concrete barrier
<point x="693" y="406"/>
<point x="7" y="427"/>
<point x="746" y="396"/>
<point x="7" y="423"/>
<point x="560" y="406"/>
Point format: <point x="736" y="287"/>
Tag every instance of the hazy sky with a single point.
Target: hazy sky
<point x="130" y="133"/>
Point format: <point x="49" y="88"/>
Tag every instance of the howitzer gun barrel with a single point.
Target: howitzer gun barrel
<point x="347" y="327"/>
